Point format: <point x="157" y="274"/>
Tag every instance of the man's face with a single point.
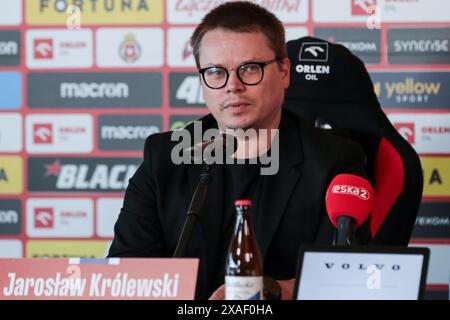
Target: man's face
<point x="238" y="105"/>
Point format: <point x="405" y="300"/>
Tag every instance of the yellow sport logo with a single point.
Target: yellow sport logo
<point x="436" y="176"/>
<point x="67" y="249"/>
<point x="76" y="13"/>
<point x="11" y="175"/>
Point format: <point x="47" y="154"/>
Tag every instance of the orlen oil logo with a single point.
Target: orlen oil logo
<point x="60" y="217"/>
<point x="11" y="173"/>
<point x="59" y="48"/>
<point x="57" y="133"/>
<point x="436" y="175"/>
<point x="42" y="133"/>
<point x="43" y="48"/>
<point x="361" y="193"/>
<point x="80" y="174"/>
<point x="43" y="218"/>
<point x="313" y="61"/>
<point x="57" y="12"/>
<point x="407" y="130"/>
<point x="362" y="7"/>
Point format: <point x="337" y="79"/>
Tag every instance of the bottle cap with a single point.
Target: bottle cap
<point x="242" y="202"/>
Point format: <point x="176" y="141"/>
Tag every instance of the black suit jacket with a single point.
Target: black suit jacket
<point x="292" y="202"/>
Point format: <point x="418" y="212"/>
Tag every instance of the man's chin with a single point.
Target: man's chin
<point x="235" y="126"/>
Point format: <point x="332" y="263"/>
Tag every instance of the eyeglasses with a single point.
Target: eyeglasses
<point x="249" y="73"/>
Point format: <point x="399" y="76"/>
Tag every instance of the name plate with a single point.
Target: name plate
<point x="99" y="279"/>
<point x="361" y="273"/>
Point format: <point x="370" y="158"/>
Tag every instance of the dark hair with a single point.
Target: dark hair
<point x="242" y="16"/>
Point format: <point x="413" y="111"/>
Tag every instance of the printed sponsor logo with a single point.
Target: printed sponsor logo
<point x="11" y="12"/>
<point x="407" y="130"/>
<point x="361" y="193"/>
<point x="80" y="174"/>
<point x="363" y="42"/>
<point x="42" y="48"/>
<point x="126" y="132"/>
<point x="433" y="221"/>
<point x="348" y="11"/>
<point x="192" y="11"/>
<point x="362" y="7"/>
<point x="11" y="175"/>
<point x="412" y="89"/>
<point x="11" y="93"/>
<point x="185" y="90"/>
<point x="42" y="133"/>
<point x="181" y="121"/>
<point x="9" y="47"/>
<point x="67" y="249"/>
<point x="10" y="132"/>
<point x="130" y="47"/>
<point x="56" y="48"/>
<point x="95" y="90"/>
<point x="59" y="133"/>
<point x="43" y="218"/>
<point x="11" y="249"/>
<point x="313" y="58"/>
<point x="179" y="52"/>
<point x="436" y="176"/>
<point x="59" y="217"/>
<point x="314" y="51"/>
<point x="56" y="12"/>
<point x="10" y="217"/>
<point x="427" y="132"/>
<point x="418" y="46"/>
<point x="108" y="210"/>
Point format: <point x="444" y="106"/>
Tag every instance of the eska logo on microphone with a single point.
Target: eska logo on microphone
<point x="361" y="193"/>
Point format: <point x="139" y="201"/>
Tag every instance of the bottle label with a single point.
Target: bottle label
<point x="243" y="288"/>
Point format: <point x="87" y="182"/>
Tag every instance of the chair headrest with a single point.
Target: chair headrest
<point x="327" y="72"/>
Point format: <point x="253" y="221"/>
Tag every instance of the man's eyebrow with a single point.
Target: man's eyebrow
<point x="209" y="65"/>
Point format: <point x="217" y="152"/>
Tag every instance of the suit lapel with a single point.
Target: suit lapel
<point x="277" y="189"/>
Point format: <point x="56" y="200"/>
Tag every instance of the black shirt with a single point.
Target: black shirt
<point x="242" y="181"/>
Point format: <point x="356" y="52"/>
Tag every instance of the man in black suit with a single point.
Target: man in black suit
<point x="241" y="55"/>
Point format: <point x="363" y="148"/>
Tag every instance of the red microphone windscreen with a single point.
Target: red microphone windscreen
<point x="351" y="196"/>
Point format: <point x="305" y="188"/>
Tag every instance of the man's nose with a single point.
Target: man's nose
<point x="234" y="84"/>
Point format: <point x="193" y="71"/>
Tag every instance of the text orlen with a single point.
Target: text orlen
<point x="96" y="286"/>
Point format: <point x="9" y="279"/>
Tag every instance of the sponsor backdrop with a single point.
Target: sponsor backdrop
<point x="82" y="86"/>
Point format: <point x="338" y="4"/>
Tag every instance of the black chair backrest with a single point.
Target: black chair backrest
<point x="331" y="88"/>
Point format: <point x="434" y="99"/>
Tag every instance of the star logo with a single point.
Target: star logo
<point x="53" y="169"/>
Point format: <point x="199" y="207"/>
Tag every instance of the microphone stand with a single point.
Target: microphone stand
<point x="194" y="210"/>
<point x="344" y="236"/>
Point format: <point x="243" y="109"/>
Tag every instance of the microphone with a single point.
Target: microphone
<point x="211" y="151"/>
<point x="349" y="200"/>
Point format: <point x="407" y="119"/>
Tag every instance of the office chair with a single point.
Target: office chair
<point x="331" y="88"/>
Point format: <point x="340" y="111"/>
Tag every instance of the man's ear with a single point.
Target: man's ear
<point x="285" y="68"/>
